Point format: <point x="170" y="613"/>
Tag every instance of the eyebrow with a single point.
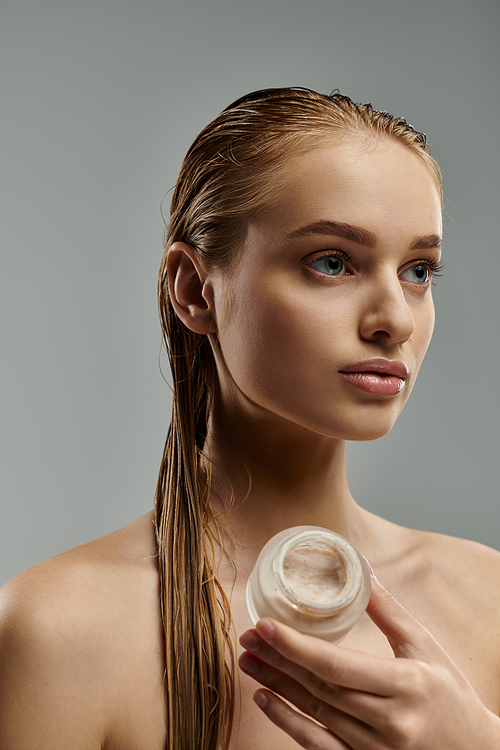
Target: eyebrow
<point x="339" y="229"/>
<point x="359" y="235"/>
<point x="427" y="243"/>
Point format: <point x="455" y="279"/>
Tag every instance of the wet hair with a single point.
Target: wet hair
<point x="230" y="173"/>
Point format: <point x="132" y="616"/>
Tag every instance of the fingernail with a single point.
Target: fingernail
<point x="261" y="700"/>
<point x="266" y="629"/>
<point x="247" y="664"/>
<point x="369" y="567"/>
<point x="250" y="641"/>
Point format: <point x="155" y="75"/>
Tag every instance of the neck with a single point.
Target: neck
<point x="268" y="477"/>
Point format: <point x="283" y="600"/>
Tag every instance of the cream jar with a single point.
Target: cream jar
<point x="311" y="579"/>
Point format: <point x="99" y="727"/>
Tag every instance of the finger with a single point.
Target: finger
<point x="408" y="638"/>
<point x="253" y="643"/>
<point x="331" y="663"/>
<point x="347" y="712"/>
<point x="301" y="729"/>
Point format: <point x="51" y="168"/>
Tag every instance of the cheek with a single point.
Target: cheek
<point x="263" y="337"/>
<point x="421" y="338"/>
<point x="425" y="328"/>
<point x="276" y="345"/>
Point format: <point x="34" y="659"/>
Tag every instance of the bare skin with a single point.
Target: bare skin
<point x="82" y="652"/>
<point x="81" y="647"/>
<point x="81" y="643"/>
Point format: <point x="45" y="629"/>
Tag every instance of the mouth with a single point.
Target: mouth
<point x="379" y="376"/>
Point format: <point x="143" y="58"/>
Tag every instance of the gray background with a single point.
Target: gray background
<point x="99" y="102"/>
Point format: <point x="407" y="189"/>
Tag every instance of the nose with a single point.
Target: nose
<point x="387" y="317"/>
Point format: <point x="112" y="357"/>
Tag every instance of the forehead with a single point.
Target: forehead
<point x="380" y="186"/>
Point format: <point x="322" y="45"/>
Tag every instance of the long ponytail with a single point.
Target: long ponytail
<point x="195" y="611"/>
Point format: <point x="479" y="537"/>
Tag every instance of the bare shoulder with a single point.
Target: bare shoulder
<point x="414" y="559"/>
<point x="454" y="586"/>
<point x="471" y="569"/>
<point x="73" y="631"/>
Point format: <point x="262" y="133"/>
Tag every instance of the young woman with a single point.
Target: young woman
<point x="296" y="299"/>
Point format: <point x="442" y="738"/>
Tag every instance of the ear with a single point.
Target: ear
<point x="190" y="292"/>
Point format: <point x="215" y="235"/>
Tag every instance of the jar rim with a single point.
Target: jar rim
<point x="320" y="538"/>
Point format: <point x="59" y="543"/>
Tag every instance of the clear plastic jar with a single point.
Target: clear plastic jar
<point x="312" y="579"/>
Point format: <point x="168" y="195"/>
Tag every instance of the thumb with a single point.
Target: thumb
<point x="407" y="637"/>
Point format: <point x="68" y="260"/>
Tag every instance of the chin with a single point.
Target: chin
<point x="371" y="436"/>
<point x="374" y="423"/>
<point x="366" y="429"/>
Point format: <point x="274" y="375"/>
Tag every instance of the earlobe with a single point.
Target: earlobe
<point x="190" y="292"/>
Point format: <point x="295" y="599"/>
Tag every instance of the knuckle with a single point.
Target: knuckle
<point x="400" y="728"/>
<point x="272" y="680"/>
<point x="313" y="706"/>
<point x="307" y="736"/>
<point x="329" y="692"/>
<point x="310" y="743"/>
<point x="333" y="673"/>
<point x="281" y="716"/>
<point x="272" y="657"/>
<point x="413" y="678"/>
<point x="313" y="740"/>
<point x="404" y="722"/>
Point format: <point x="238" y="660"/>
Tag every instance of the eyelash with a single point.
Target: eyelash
<point x="435" y="267"/>
<point x="342" y="254"/>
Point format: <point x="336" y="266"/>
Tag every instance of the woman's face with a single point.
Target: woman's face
<point x="326" y="317"/>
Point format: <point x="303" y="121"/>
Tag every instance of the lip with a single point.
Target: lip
<point x="383" y="366"/>
<point x="385" y="377"/>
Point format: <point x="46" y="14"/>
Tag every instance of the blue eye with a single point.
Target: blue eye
<point x="331" y="265"/>
<point x="419" y="274"/>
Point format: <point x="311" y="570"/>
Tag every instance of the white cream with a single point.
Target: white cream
<point x="314" y="575"/>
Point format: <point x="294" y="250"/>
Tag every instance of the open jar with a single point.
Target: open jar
<point x="311" y="579"/>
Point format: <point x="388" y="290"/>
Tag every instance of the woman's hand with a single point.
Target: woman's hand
<point x="418" y="701"/>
